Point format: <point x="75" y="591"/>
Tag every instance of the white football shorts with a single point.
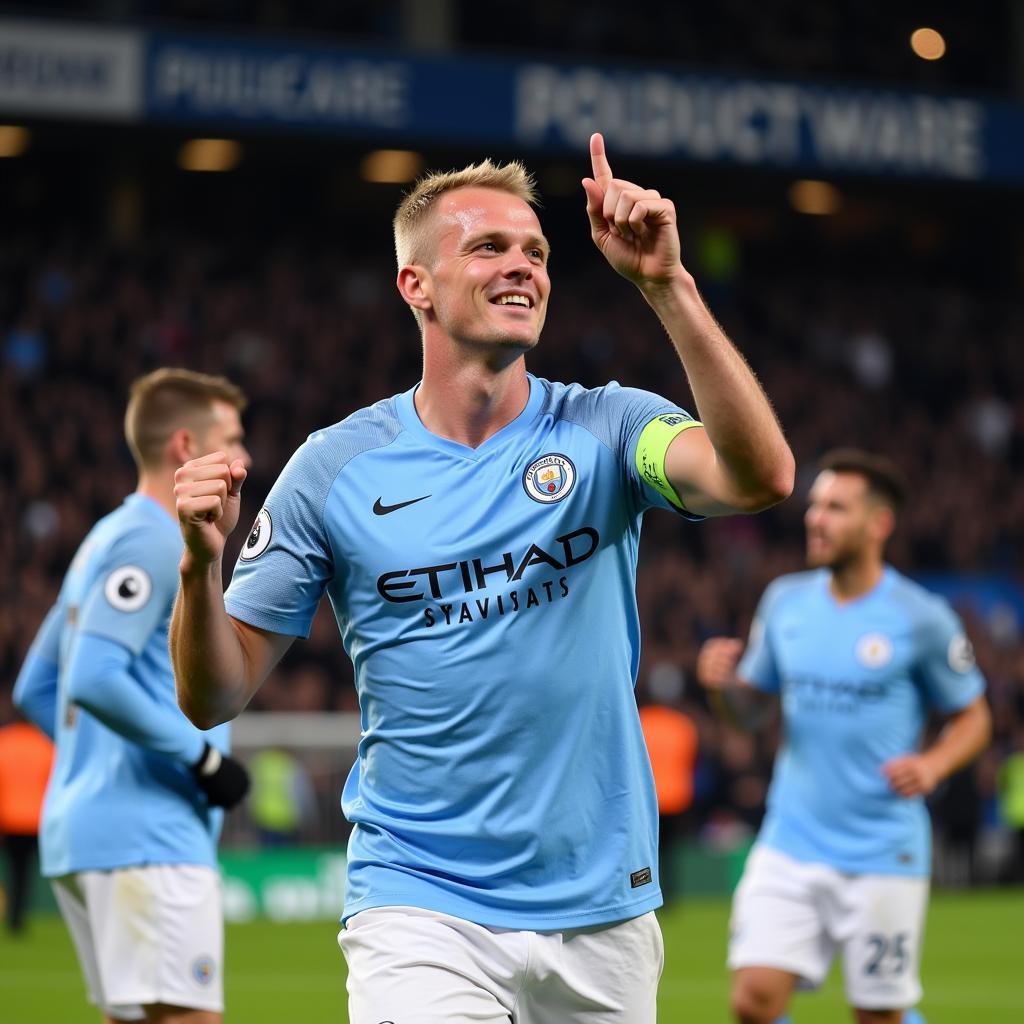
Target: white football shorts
<point x="795" y="916"/>
<point x="147" y="935"/>
<point x="412" y="966"/>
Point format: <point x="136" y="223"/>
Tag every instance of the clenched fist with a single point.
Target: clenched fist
<point x="207" y="492"/>
<point x="717" y="661"/>
<point x="911" y="775"/>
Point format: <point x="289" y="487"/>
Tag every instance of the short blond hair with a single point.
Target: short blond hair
<point x="413" y="212"/>
<point x="168" y="399"/>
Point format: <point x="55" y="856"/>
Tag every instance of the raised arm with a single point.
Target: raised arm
<point x="740" y="461"/>
<point x="219" y="662"/>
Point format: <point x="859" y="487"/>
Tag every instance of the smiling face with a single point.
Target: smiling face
<point x="486" y="279"/>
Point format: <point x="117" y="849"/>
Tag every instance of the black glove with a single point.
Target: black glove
<point x="224" y="780"/>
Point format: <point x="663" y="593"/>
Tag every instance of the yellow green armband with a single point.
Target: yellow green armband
<point x="652" y="447"/>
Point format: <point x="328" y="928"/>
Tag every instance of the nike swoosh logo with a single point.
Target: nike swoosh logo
<point x="383" y="510"/>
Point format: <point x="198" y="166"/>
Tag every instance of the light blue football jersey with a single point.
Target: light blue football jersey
<point x="112" y="803"/>
<point x="857" y="682"/>
<point x="486" y="597"/>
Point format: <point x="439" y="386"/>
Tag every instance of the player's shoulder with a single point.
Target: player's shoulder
<point x="789" y="590"/>
<point x="138" y="528"/>
<point x="602" y="410"/>
<point x="569" y="398"/>
<point x="935" y="626"/>
<point x="373" y="424"/>
<point x="132" y="552"/>
<point x="923" y="606"/>
<point x="795" y="585"/>
<point x="329" y="449"/>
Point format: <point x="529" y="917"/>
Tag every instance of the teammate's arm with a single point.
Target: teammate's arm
<point x="99" y="680"/>
<point x="965" y="735"/>
<point x="732" y="697"/>
<point x="219" y="662"/>
<point x="740" y="461"/>
<point x="951" y="682"/>
<point x="35" y="690"/>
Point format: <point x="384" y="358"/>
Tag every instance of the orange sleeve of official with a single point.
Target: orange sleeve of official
<point x="26" y="757"/>
<point x="671" y="739"/>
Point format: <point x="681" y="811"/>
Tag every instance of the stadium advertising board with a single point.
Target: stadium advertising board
<point x="289" y="884"/>
<point x="70" y="71"/>
<point x="53" y="69"/>
<point x="191" y="79"/>
<point x="752" y="122"/>
<point x="308" y="883"/>
<point x="642" y="112"/>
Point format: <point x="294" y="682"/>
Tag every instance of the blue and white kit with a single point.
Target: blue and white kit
<point x="98" y="679"/>
<point x="857" y="682"/>
<point x="486" y="597"/>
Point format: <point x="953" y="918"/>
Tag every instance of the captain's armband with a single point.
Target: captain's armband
<point x="652" y="448"/>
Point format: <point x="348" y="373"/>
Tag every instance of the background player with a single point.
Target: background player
<point x="477" y="536"/>
<point x="130" y="822"/>
<point x="858" y="654"/>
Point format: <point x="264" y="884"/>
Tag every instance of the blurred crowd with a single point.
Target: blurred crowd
<point x="933" y="375"/>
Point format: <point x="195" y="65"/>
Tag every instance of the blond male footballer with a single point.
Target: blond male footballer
<point x="135" y="801"/>
<point x="477" y="538"/>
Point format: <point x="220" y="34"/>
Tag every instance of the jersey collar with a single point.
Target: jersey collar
<point x="406" y="408"/>
<point x="878" y="590"/>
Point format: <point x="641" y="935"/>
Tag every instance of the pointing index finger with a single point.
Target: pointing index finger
<point x="602" y="169"/>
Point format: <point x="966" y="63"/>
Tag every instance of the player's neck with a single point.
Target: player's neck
<point x="159" y="487"/>
<point x="855" y="578"/>
<point x="468" y="402"/>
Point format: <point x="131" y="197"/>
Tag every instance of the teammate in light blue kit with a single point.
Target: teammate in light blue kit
<point x="477" y="537"/>
<point x="132" y="811"/>
<point x="859" y="655"/>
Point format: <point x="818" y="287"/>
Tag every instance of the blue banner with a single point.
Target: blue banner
<point x="993" y="597"/>
<point x="546" y="105"/>
<point x="397" y="99"/>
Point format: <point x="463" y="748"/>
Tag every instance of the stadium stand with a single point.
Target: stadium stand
<point x="894" y="330"/>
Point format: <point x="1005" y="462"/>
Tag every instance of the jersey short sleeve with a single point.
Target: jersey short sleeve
<point x="619" y="417"/>
<point x="286" y="560"/>
<point x="758" y="665"/>
<point x="946" y="669"/>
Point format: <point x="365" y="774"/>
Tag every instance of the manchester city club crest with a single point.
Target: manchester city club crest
<point x="874" y="650"/>
<point x="203" y="969"/>
<point x="549" y="478"/>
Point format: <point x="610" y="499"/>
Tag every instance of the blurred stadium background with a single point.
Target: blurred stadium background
<point x="210" y="183"/>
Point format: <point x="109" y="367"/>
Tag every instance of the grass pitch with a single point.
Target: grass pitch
<point x="973" y="969"/>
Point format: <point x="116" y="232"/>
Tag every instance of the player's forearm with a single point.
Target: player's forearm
<point x="965" y="736"/>
<point x="99" y="681"/>
<point x="734" y="409"/>
<point x="211" y="670"/>
<point x="742" y="705"/>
